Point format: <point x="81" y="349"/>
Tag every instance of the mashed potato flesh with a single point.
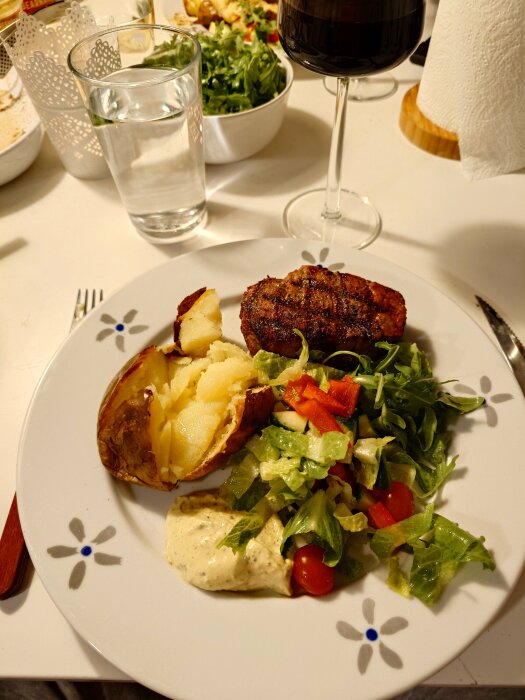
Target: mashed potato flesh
<point x="195" y="401"/>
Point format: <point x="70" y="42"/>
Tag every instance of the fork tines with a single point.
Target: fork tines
<point x="86" y="302"/>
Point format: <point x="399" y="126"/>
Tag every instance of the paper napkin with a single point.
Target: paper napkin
<point x="473" y="82"/>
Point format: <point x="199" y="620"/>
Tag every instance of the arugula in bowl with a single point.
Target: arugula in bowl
<point x="236" y="74"/>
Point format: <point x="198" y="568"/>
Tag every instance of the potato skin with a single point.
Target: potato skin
<point x="124" y="443"/>
<point x="183" y="308"/>
<point x="129" y="423"/>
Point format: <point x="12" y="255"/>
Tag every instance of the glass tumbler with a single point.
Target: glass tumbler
<point x="141" y="86"/>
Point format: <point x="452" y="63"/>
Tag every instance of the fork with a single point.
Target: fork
<point x="14" y="556"/>
<point x="85" y="303"/>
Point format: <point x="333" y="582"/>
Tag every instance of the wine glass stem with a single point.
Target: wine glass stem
<point x="332" y="209"/>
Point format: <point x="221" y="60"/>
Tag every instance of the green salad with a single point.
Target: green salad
<point x="350" y="463"/>
<point x="236" y="74"/>
<point x="259" y="21"/>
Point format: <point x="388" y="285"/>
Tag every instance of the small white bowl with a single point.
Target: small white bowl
<point x="21" y="153"/>
<point x="232" y="137"/>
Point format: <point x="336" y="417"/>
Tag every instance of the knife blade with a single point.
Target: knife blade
<point x="509" y="342"/>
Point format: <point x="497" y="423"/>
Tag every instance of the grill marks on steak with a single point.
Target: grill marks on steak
<point x="333" y="310"/>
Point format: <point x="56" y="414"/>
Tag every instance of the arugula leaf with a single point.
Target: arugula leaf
<point x="402" y="398"/>
<point x="434" y="468"/>
<point x="462" y="404"/>
<point x="236" y="75"/>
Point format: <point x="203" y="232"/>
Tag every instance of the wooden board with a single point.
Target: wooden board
<point x="422" y="132"/>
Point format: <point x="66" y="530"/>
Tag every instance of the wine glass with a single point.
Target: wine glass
<point x="365" y="89"/>
<point x="346" y="39"/>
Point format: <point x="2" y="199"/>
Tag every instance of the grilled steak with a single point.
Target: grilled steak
<point x="333" y="310"/>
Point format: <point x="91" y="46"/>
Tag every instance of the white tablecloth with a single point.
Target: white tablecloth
<point x="58" y="234"/>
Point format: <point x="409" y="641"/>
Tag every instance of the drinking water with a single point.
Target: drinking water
<point x="151" y="135"/>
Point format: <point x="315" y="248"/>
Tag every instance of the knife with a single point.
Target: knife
<point x="509" y="342"/>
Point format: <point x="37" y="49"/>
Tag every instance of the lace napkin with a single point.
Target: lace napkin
<point x="473" y="82"/>
<point x="38" y="49"/>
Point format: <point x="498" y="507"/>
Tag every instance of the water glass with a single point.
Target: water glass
<point x="120" y="11"/>
<point x="146" y="109"/>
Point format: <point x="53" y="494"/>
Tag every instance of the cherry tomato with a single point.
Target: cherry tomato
<point x="379" y="516"/>
<point x="399" y="500"/>
<point x="310" y="572"/>
<point x="343" y="472"/>
<point x="339" y="470"/>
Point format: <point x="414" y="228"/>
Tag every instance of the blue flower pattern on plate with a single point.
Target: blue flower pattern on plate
<point x="120" y="328"/>
<point x="485" y="386"/>
<point x="373" y="635"/>
<point x="323" y="255"/>
<point x="86" y="552"/>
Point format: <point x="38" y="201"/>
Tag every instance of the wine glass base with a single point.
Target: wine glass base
<point x="358" y="225"/>
<point x="365" y="89"/>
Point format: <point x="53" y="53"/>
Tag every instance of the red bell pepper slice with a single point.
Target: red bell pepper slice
<point x="346" y="392"/>
<point x="318" y="416"/>
<point x="332" y="405"/>
<point x="379" y="516"/>
<point x="293" y="392"/>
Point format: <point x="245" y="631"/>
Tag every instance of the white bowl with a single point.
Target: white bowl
<point x="232" y="137"/>
<point x="20" y="154"/>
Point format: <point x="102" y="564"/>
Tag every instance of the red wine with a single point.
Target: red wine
<point x="350" y="37"/>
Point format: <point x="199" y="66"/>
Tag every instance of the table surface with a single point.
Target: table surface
<point x="59" y="234"/>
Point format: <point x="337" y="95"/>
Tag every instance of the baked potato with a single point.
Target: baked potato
<point x="174" y="413"/>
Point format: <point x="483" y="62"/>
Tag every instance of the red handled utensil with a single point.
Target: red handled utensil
<point x="14" y="556"/>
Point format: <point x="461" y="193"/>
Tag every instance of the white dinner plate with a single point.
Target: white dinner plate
<point x="97" y="543"/>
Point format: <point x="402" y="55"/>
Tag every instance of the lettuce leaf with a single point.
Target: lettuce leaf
<point x="315" y="517"/>
<point x="324" y="449"/>
<point x="351" y="522"/>
<point x="242" y="476"/>
<point x="247" y="527"/>
<point x="388" y="539"/>
<point x="368" y="452"/>
<point x="436" y="564"/>
<point x="285" y="468"/>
